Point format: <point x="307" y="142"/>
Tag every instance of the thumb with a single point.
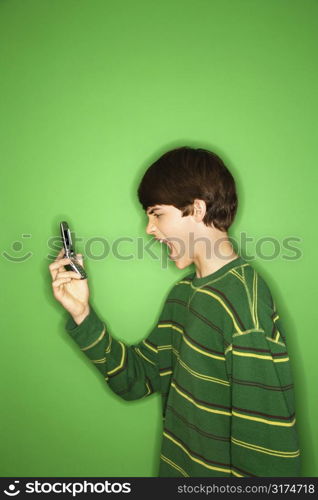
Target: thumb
<point x="80" y="259"/>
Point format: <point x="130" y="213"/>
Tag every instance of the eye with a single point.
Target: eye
<point x="157" y="215"/>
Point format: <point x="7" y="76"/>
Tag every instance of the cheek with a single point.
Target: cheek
<point x="179" y="226"/>
<point x="180" y="238"/>
<point x="175" y="233"/>
<point x="182" y="230"/>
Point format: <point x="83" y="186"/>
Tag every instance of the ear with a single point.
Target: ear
<point x="199" y="209"/>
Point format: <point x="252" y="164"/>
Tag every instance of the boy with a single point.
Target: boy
<point x="218" y="352"/>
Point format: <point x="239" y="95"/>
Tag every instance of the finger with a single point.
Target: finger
<point x="68" y="274"/>
<point x="59" y="282"/>
<point x="59" y="256"/>
<point x="58" y="265"/>
<point x="79" y="257"/>
<point x="61" y="253"/>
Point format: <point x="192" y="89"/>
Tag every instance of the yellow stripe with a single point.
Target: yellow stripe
<point x="148" y="390"/>
<point x="215" y="296"/>
<point x="255" y="299"/>
<point x="229" y="348"/>
<point x="143" y="356"/>
<point x="214" y="356"/>
<point x="95" y="341"/>
<point x="164" y="347"/>
<point x="247" y="417"/>
<point x="201" y="375"/>
<point x="281" y="360"/>
<point x="177" y="467"/>
<point x="103" y="360"/>
<point x="169" y="325"/>
<point x="251" y="355"/>
<point x="121" y="361"/>
<point x="220" y="277"/>
<point x="250" y="304"/>
<point x="223" y="304"/>
<point x="264" y="421"/>
<point x="236" y="473"/>
<point x="194" y="459"/>
<point x="197" y="404"/>
<point x="268" y="451"/>
<point x="275" y="341"/>
<point x="150" y="346"/>
<point x="259" y="356"/>
<point x="278" y="335"/>
<point x="252" y="330"/>
<point x="109" y="345"/>
<point x="237" y="275"/>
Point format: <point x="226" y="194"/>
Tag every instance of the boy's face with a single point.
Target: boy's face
<point x="166" y="223"/>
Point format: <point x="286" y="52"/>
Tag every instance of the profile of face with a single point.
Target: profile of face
<point x="165" y="222"/>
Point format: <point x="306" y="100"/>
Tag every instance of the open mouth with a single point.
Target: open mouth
<point x="169" y="245"/>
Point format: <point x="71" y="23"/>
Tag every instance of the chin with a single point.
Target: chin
<point x="181" y="264"/>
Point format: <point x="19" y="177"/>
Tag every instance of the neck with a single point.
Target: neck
<point x="209" y="260"/>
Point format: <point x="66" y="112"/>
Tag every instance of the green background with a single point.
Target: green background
<point x="91" y="93"/>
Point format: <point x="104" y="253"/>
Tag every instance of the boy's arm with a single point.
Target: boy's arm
<point x="130" y="371"/>
<point x="264" y="440"/>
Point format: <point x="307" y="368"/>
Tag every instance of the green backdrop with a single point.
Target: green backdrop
<point x="92" y="91"/>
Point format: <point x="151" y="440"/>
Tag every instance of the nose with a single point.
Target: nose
<point x="150" y="228"/>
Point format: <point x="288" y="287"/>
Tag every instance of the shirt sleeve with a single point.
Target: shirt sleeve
<point x="130" y="371"/>
<point x="264" y="440"/>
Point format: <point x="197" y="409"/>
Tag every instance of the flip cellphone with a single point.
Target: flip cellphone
<point x="70" y="252"/>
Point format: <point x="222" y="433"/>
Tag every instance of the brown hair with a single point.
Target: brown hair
<point x="183" y="174"/>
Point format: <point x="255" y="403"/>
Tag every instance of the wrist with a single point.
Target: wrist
<point x="79" y="318"/>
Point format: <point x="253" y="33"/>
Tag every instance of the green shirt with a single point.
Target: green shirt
<point x="218" y="356"/>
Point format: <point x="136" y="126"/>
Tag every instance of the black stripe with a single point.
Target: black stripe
<point x="262" y="386"/>
<point x="256" y="350"/>
<point x="167" y="321"/>
<point x="229" y="303"/>
<point x="213" y="405"/>
<point x="151" y="343"/>
<point x="192" y="426"/>
<point x="204" y="458"/>
<point x="200" y="316"/>
<point x="243" y="471"/>
<point x="244" y="410"/>
<point x="193" y="452"/>
<point x="165" y="369"/>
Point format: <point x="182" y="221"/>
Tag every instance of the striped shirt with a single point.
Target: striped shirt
<point x="218" y="357"/>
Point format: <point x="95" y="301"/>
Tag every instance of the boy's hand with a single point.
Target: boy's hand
<point x="68" y="287"/>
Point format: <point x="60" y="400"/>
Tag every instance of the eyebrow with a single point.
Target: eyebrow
<point x="153" y="209"/>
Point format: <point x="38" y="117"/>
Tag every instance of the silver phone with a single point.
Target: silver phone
<point x="70" y="251"/>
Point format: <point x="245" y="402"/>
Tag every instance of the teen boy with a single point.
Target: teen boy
<point x="218" y="352"/>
